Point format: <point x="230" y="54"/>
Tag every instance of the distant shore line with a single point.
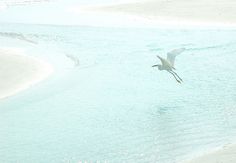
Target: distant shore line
<point x="165" y="14"/>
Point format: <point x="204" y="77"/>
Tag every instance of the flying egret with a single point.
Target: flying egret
<point x="168" y="63"/>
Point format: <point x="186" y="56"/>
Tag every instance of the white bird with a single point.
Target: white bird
<point x="168" y="63"/>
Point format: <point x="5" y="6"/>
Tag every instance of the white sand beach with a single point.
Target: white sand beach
<point x="226" y="154"/>
<point x="19" y="72"/>
<point x="175" y="12"/>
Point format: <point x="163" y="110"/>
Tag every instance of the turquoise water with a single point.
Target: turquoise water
<point x="115" y="107"/>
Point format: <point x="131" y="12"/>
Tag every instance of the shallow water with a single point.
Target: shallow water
<point x="115" y="107"/>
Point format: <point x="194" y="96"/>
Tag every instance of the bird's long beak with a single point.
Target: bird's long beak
<point x="154" y="65"/>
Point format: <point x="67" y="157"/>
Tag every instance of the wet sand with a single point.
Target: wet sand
<point x="19" y="71"/>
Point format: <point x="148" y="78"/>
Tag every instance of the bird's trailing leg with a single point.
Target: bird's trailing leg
<point x="175" y="77"/>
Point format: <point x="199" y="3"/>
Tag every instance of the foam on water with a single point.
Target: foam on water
<point x="115" y="107"/>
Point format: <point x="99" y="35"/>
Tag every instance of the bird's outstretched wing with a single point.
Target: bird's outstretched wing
<point x="163" y="61"/>
<point x="172" y="54"/>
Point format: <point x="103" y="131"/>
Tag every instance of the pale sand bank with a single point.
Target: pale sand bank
<point x="19" y="72"/>
<point x="178" y="12"/>
<point x="226" y="154"/>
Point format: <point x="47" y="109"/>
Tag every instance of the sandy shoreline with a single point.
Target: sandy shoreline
<point x="170" y="12"/>
<point x="226" y="154"/>
<point x="19" y="72"/>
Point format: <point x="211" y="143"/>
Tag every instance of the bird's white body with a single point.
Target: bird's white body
<point x="166" y="65"/>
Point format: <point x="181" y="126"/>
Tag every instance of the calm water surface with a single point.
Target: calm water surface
<point x="115" y="107"/>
